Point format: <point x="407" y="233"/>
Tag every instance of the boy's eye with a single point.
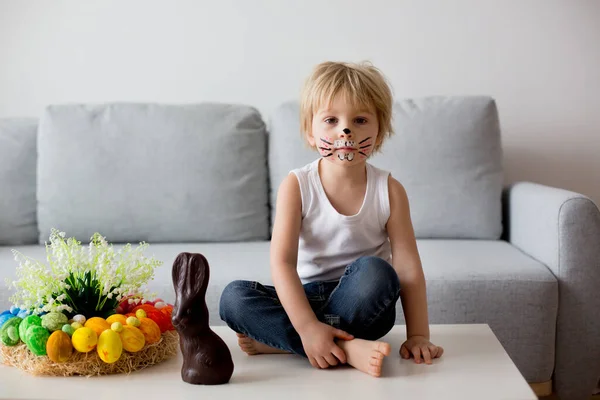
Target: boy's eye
<point x="360" y="120"/>
<point x="331" y="120"/>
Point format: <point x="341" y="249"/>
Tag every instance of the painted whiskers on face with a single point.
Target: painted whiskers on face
<point x="329" y="146"/>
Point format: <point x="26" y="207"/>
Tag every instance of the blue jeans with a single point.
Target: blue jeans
<point x="362" y="303"/>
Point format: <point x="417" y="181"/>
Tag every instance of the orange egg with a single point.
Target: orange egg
<point x="117" y="318"/>
<point x="59" y="347"/>
<point x="150" y="330"/>
<point x="97" y="324"/>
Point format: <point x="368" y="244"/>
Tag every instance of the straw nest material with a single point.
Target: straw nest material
<point x="90" y="364"/>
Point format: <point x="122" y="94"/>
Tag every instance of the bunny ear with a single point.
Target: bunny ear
<point x="179" y="270"/>
<point x="199" y="273"/>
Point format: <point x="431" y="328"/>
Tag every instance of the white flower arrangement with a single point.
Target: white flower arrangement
<point x="84" y="281"/>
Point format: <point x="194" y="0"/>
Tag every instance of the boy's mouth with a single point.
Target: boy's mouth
<point x="345" y="156"/>
<point x="345" y="149"/>
<point x="344" y="145"/>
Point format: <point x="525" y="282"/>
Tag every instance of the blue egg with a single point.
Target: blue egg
<point x="14" y="310"/>
<point x="5" y="312"/>
<point x="23" y="314"/>
<point x="5" y="317"/>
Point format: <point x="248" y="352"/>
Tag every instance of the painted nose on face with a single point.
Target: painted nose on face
<point x="346" y="131"/>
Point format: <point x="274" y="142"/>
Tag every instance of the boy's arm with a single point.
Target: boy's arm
<point x="317" y="337"/>
<point x="406" y="262"/>
<point x="284" y="254"/>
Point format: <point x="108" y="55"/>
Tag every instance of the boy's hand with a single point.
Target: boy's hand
<point x="318" y="342"/>
<point x="420" y="346"/>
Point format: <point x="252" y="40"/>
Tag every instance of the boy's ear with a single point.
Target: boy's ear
<point x="310" y="139"/>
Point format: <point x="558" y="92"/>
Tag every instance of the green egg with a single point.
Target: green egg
<point x="53" y="321"/>
<point x="31" y="320"/>
<point x="37" y="336"/>
<point x="68" y="329"/>
<point x="13" y="333"/>
<point x="9" y="334"/>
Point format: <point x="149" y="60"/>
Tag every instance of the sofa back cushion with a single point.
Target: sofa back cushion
<point x="149" y="172"/>
<point x="18" y="222"/>
<point x="446" y="151"/>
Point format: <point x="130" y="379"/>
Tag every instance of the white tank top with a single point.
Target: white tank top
<point x="329" y="241"/>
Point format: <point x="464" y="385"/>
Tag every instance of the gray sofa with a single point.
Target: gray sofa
<point x="524" y="259"/>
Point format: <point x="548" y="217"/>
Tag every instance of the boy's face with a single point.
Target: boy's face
<point x="343" y="134"/>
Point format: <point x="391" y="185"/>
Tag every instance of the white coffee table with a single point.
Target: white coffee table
<point x="474" y="366"/>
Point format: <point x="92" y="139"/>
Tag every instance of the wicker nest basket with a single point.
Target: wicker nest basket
<point x="90" y="364"/>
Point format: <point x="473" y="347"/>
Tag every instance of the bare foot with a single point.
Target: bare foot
<point x="252" y="347"/>
<point x="365" y="355"/>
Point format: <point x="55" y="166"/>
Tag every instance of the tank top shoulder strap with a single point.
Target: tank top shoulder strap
<point x="381" y="193"/>
<point x="304" y="176"/>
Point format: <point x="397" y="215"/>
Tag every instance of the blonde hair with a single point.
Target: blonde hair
<point x="362" y="85"/>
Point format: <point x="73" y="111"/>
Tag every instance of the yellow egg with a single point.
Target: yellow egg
<point x="110" y="346"/>
<point x="76" y="325"/>
<point x="84" y="340"/>
<point x="97" y="324"/>
<point x="117" y="327"/>
<point x="140" y="314"/>
<point x="132" y="338"/>
<point x="117" y="318"/>
<point x="133" y="321"/>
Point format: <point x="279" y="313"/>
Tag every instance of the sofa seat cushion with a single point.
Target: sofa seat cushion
<point x="492" y="282"/>
<point x="468" y="281"/>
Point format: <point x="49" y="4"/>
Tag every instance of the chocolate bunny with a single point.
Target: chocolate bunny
<point x="206" y="358"/>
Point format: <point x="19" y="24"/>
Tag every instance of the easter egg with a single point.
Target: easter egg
<point x="146" y="307"/>
<point x="37" y="336"/>
<point x="5" y="312"/>
<point x="5" y="317"/>
<point x="84" y="340"/>
<point x="79" y="318"/>
<point x="159" y="305"/>
<point x="117" y="327"/>
<point x="117" y="318"/>
<point x="168" y="312"/>
<point x="29" y="321"/>
<point x="132" y="338"/>
<point x="22" y="314"/>
<point x="14" y="310"/>
<point x="133" y="321"/>
<point x="59" y="347"/>
<point x="68" y="329"/>
<point x="139" y="314"/>
<point x="9" y="333"/>
<point x="97" y="324"/>
<point x="109" y="346"/>
<point x="162" y="320"/>
<point x="150" y="330"/>
<point x="54" y="321"/>
<point x="76" y="325"/>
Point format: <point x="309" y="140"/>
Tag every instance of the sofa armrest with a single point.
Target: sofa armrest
<point x="562" y="230"/>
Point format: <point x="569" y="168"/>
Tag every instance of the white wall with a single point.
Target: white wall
<point x="539" y="58"/>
